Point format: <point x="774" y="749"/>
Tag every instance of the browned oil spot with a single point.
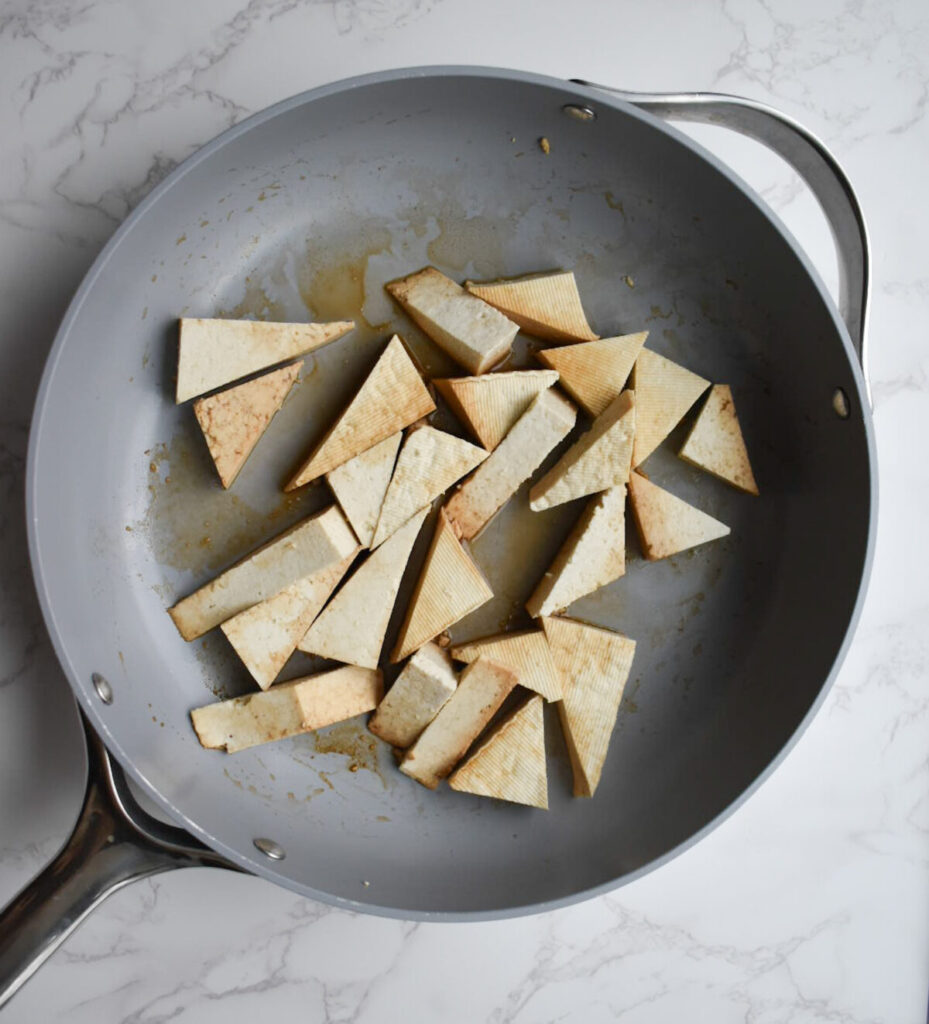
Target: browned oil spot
<point x="234" y="781"/>
<point x="181" y="239"/>
<point x="659" y="314"/>
<point x="122" y="659"/>
<point x="262" y="197"/>
<point x="290" y="795"/>
<point x="382" y="817"/>
<point x="324" y="778"/>
<point x="144" y="313"/>
<point x="145" y="360"/>
<point x="352" y="740"/>
<point x="154" y="278"/>
<point x="204" y="223"/>
<point x="613" y="203"/>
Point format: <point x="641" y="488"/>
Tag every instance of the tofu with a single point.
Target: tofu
<point x="666" y="524"/>
<point x="430" y="462"/>
<point x="450" y="587"/>
<point x="546" y="305"/>
<point x="510" y="763"/>
<point x="715" y="442"/>
<point x="352" y="626"/>
<point x="664" y="392"/>
<point x="212" y="353"/>
<point x="416" y="697"/>
<point x="265" y="635"/>
<point x="525" y="652"/>
<point x="319" y="542"/>
<point x="490" y="405"/>
<point x="474" y="334"/>
<point x="547" y="422"/>
<point x="392" y="397"/>
<point x="287" y="709"/>
<point x="598" y="460"/>
<point x="360" y="484"/>
<point x="233" y="420"/>
<point x="594" y="372"/>
<point x="595" y="664"/>
<point x="481" y="690"/>
<point x="593" y="555"/>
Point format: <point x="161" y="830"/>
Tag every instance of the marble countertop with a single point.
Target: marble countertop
<point x="811" y="903"/>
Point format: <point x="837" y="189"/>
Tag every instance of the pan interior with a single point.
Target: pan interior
<point x="306" y="214"/>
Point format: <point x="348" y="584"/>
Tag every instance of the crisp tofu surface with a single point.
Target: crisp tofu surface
<point x="233" y="420"/>
<point x="715" y="442"/>
<point x="473" y="333"/>
<point x="593" y="555"/>
<point x="483" y="687"/>
<point x="598" y="460"/>
<point x="525" y="652"/>
<point x="595" y="664"/>
<point x="595" y="372"/>
<point x="265" y="635"/>
<point x="430" y="462"/>
<point x="450" y="587"/>
<point x="392" y="397"/>
<point x="316" y="543"/>
<point x="416" y="697"/>
<point x="489" y="405"/>
<point x="212" y="353"/>
<point x="352" y="626"/>
<point x="664" y="391"/>
<point x="547" y="305"/>
<point x="510" y="763"/>
<point x="360" y="484"/>
<point x="665" y="523"/>
<point x="546" y="423"/>
<point x="332" y="697"/>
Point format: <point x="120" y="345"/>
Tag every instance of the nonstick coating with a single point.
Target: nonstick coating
<point x="304" y="211"/>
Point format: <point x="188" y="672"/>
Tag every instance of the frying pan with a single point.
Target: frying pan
<point x="305" y="210"/>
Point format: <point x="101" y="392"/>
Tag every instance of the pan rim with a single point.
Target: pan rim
<point x="41" y="573"/>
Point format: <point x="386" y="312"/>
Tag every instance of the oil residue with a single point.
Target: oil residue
<point x="352" y="740"/>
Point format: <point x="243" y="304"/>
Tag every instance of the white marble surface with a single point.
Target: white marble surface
<point x="812" y="902"/>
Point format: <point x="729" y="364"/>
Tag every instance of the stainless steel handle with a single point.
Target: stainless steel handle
<point x="810" y="158"/>
<point x="113" y="843"/>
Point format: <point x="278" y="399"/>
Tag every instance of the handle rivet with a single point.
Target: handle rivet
<point x="271" y="849"/>
<point x="580" y="112"/>
<point x="840" y="404"/>
<point x="103" y="688"/>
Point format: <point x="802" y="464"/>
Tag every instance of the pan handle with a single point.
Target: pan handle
<point x="810" y="158"/>
<point x="113" y="843"/>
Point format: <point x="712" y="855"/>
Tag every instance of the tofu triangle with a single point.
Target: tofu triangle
<point x="547" y="305"/>
<point x="593" y="555"/>
<point x="361" y="483"/>
<point x="510" y="763"/>
<point x="430" y="462"/>
<point x="525" y="651"/>
<point x="594" y="372"/>
<point x="715" y="442"/>
<point x="352" y="626"/>
<point x="265" y="635"/>
<point x="450" y="587"/>
<point x="392" y="397"/>
<point x="595" y="664"/>
<point x="666" y="524"/>
<point x="489" y="405"/>
<point x="234" y="420"/>
<point x="664" y="392"/>
<point x="598" y="460"/>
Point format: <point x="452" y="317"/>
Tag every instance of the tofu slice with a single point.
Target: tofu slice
<point x="392" y="397"/>
<point x="525" y="652"/>
<point x="715" y="442"/>
<point x="490" y="405"/>
<point x="352" y="626"/>
<point x="481" y="690"/>
<point x="450" y="587"/>
<point x="319" y="542"/>
<point x="598" y="460"/>
<point x="595" y="664"/>
<point x="546" y="305"/>
<point x="212" y="353"/>
<point x="233" y="420"/>
<point x="667" y="524"/>
<point x="510" y="763"/>
<point x="664" y="392"/>
<point x="474" y="334"/>
<point x="287" y="709"/>
<point x="593" y="555"/>
<point x="594" y="372"/>
<point x="360" y="484"/>
<point x="430" y="462"/>
<point x="265" y="635"/>
<point x="416" y="697"/>
<point x="546" y="423"/>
